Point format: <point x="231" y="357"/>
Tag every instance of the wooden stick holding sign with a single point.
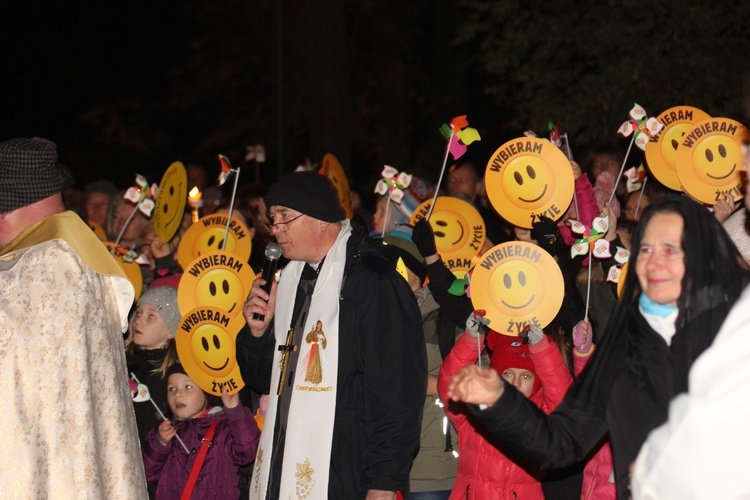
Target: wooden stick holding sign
<point x="226" y="169"/>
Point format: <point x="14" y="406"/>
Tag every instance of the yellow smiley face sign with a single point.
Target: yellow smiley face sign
<point x="661" y="150"/>
<point x="132" y="269"/>
<point x="170" y="202"/>
<point x="459" y="231"/>
<point x="331" y="168"/>
<point x="528" y="178"/>
<point x="621" y="281"/>
<point x="208" y="234"/>
<point x="206" y="346"/>
<point x="217" y="279"/>
<point x="517" y="283"/>
<point x="709" y="160"/>
<point x="98" y="231"/>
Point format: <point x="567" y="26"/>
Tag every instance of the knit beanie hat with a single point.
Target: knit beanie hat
<point x="162" y="296"/>
<point x="28" y="172"/>
<point x="511" y="352"/>
<point x="175" y="367"/>
<point x="307" y="192"/>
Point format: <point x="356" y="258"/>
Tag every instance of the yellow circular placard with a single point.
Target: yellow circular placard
<point x="207" y="235"/>
<point x="206" y="347"/>
<point x="98" y="231"/>
<point x="331" y="168"/>
<point x="459" y="231"/>
<point x="170" y="202"/>
<point x="621" y="281"/>
<point x="527" y="178"/>
<point x="661" y="150"/>
<point x="216" y="279"/>
<point x="709" y="160"/>
<point x="517" y="283"/>
<point x="132" y="269"/>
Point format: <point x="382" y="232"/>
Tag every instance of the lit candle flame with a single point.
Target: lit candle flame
<point x="194" y="195"/>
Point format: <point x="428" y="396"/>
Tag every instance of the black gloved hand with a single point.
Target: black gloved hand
<point x="424" y="238"/>
<point x="544" y="231"/>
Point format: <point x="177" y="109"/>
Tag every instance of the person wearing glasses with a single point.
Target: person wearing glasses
<point x="338" y="345"/>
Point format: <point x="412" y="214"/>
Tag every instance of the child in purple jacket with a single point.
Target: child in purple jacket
<point x="234" y="443"/>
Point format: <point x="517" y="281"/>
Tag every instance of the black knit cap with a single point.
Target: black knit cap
<point x="28" y="172"/>
<point x="307" y="192"/>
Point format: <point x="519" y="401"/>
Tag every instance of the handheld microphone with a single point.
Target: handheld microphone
<point x="273" y="252"/>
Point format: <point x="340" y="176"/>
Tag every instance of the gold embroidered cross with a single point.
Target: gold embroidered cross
<point x="286" y="350"/>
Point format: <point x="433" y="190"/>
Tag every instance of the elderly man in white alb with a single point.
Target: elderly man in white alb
<point x="67" y="412"/>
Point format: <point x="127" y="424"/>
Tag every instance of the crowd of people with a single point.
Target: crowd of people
<point x="367" y="375"/>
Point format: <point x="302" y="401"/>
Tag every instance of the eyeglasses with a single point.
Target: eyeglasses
<point x="279" y="225"/>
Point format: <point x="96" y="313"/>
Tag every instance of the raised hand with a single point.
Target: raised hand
<point x="472" y="384"/>
<point x="476" y="323"/>
<point x="166" y="432"/>
<point x="258" y="301"/>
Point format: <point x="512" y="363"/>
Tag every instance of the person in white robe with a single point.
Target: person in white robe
<point x="67" y="411"/>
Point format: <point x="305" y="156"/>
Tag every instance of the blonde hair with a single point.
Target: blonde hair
<point x="168" y="360"/>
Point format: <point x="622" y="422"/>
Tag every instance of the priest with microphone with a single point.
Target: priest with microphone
<point x="337" y="342"/>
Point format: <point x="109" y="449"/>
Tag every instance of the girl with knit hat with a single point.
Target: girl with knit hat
<point x="231" y="430"/>
<point x="152" y="350"/>
<point x="535" y="367"/>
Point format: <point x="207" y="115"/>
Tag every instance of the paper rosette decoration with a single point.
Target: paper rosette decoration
<point x="306" y="165"/>
<point x="142" y="195"/>
<point x="226" y="169"/>
<point x="641" y="126"/>
<point x="621" y="256"/>
<point x="130" y="261"/>
<point x="129" y="255"/>
<point x="139" y="391"/>
<point x="459" y="135"/>
<point x="256" y="152"/>
<point x="554" y="134"/>
<point x="635" y="177"/>
<point x="392" y="184"/>
<point x="592" y="241"/>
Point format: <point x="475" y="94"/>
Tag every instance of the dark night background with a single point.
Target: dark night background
<point x="126" y="87"/>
